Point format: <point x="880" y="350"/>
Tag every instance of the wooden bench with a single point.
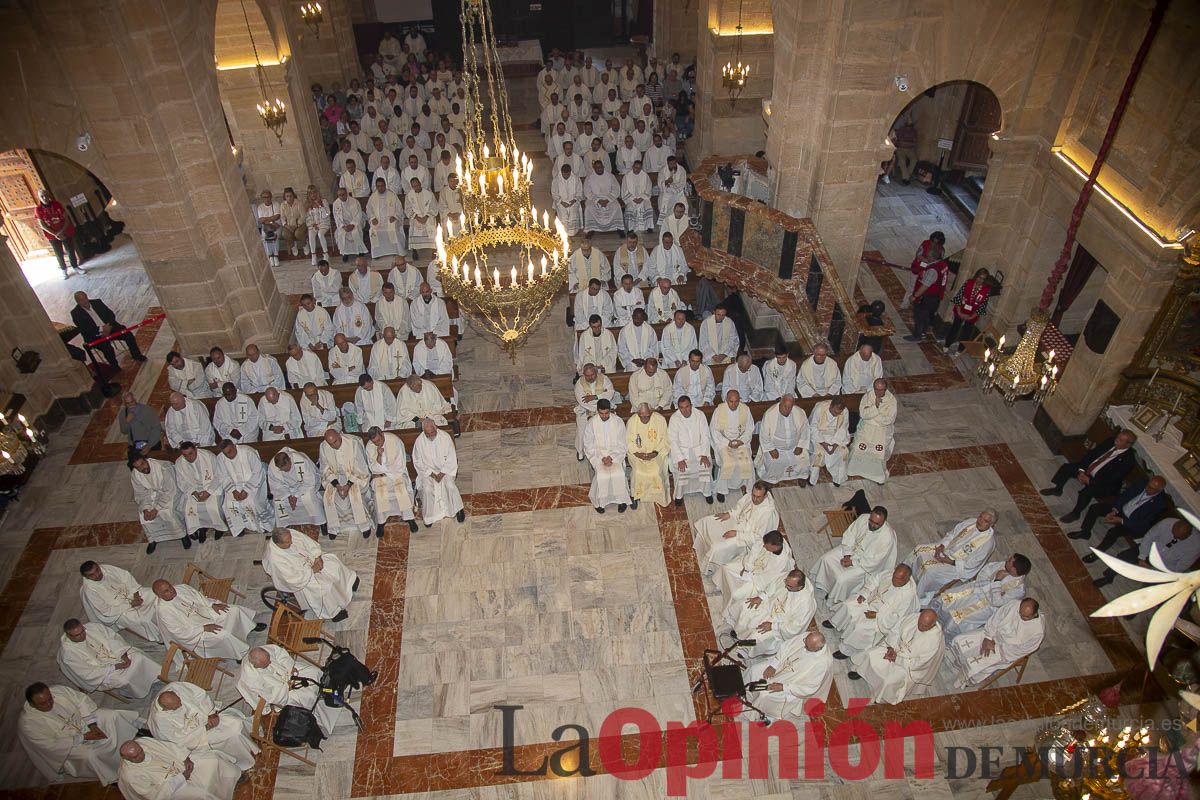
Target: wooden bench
<point x="411" y="343"/>
<point x="451" y="312"/>
<point x="686" y="290"/>
<point x="659" y="327"/>
<point x="620" y="380"/>
<point x="344" y="392"/>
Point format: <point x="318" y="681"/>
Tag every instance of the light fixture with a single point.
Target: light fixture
<point x="1021" y="372"/>
<point x="735" y="72"/>
<point x="272" y="111"/>
<point x="312" y="14"/>
<point x="18" y="441"/>
<point x="499" y="259"/>
<point x="1154" y="235"/>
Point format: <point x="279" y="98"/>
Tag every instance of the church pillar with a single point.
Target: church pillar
<point x="329" y="56"/>
<point x="675" y="29"/>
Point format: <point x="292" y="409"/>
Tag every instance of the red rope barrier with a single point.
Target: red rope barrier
<point x="123" y="331"/>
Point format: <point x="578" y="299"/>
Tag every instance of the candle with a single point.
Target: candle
<point x="991" y="370"/>
<point x="1050" y="357"/>
<point x="1000" y="344"/>
<point x="987" y="355"/>
<point x="496" y="276"/>
<point x="500" y="184"/>
<point x="482" y="185"/>
<point x="531" y="272"/>
<point x="546" y="220"/>
<point x="4" y="453"/>
<point x="1153" y="377"/>
<point x="486" y="153"/>
<point x="478" y="278"/>
<point x="513" y="283"/>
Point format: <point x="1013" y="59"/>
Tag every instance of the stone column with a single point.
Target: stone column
<point x="676" y="29"/>
<point x="330" y="54"/>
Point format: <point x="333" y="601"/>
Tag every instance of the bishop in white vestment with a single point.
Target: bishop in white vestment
<point x="799" y="671"/>
<point x="96" y="659"/>
<point x="184" y="714"/>
<point x="783" y="442"/>
<point x="959" y="555"/>
<point x="819" y="375"/>
<point x="1013" y="632"/>
<point x="245" y="502"/>
<point x="211" y="629"/>
<point x="772" y="615"/>
<point x="159" y="501"/>
<point x="863" y="620"/>
<point x="906" y="662"/>
<point x="349" y="504"/>
<point x="67" y="736"/>
<point x="723" y="537"/>
<point x="390" y="482"/>
<point x="436" y="463"/>
<point x="828" y="437"/>
<point x="152" y="769"/>
<point x="112" y="596"/>
<point x="295" y="489"/>
<point x="875" y="438"/>
<point x="605" y="444"/>
<point x="868" y="547"/>
<point x="320" y="581"/>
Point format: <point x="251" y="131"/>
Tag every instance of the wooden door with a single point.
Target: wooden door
<point x="978" y="120"/>
<point x="19" y="185"/>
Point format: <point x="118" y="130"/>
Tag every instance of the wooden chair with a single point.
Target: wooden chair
<point x="262" y="725"/>
<point x="289" y="628"/>
<point x="213" y="588"/>
<point x="976" y="347"/>
<point x="193" y="668"/>
<point x="836" y="522"/>
<point x="1019" y="665"/>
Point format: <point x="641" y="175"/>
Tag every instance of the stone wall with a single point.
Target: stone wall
<point x="65" y="179"/>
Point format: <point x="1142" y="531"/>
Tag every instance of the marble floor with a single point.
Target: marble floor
<point x="537" y="601"/>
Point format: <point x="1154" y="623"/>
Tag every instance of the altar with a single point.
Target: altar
<point x="1159" y="456"/>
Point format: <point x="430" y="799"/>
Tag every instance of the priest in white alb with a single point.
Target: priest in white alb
<point x="303" y="366"/>
<point x="649" y="452"/>
<point x="719" y="341"/>
<point x="829" y="435"/>
<point x="279" y="416"/>
<point x="762" y="564"/>
<point x="420" y="399"/>
<point x="602" y="194"/>
<point x="98" y="660"/>
<point x="627" y="298"/>
<point x="390" y="482"/>
<point x="421" y="208"/>
<point x="637" y="341"/>
<point x="592" y="300"/>
<point x="588" y="262"/>
<point x="691" y="451"/>
<point x="678" y="337"/>
<point x="906" y="662"/>
<point x="345" y="360"/>
<point x="863" y="620"/>
<point x="1016" y="630"/>
<point x="221" y="370"/>
<point x="779" y="375"/>
<point x="566" y="191"/>
<point x="629" y="258"/>
<point x="67" y="736"/>
<point x="431" y="356"/>
<point x="386" y="215"/>
<point x="319" y="411"/>
<point x="861" y="370"/>
<point x="743" y="376"/>
<point x="436" y="464"/>
<point x="694" y="380"/>
<point x="967" y="607"/>
<point x="365" y="283"/>
<point x="783" y="442"/>
<point x="958" y="556"/>
<point x="650" y="385"/>
<point x="732" y="428"/>
<point x="661" y="304"/>
<point x="260" y="372"/>
<point x="592" y="387"/>
<point x="320" y="581"/>
<point x="349" y="222"/>
<point x="375" y="404"/>
<point x="352" y="320"/>
<point x="295" y="489"/>
<point x="313" y="327"/>
<point x="635" y="194"/>
<point x="349" y="503"/>
<point x="389" y="357"/>
<point x="799" y="671"/>
<point x="186" y="376"/>
<point x="112" y="596"/>
<point x="245" y="502"/>
<point x="605" y="444"/>
<point x="391" y="310"/>
<point x="773" y="615"/>
<point x="185" y="714"/>
<point x="159" y="501"/>
<point x="202" y="483"/>
<point x="596" y="345"/>
<point x="819" y="375"/>
<point x="235" y="416"/>
<point x="875" y="437"/>
<point x="201" y="624"/>
<point x="325" y="283"/>
<point x="266" y="675"/>
<point x="152" y="769"/>
<point x="187" y="421"/>
<point x="868" y="547"/>
<point x="665" y="261"/>
<point x="723" y="537"/>
<point x="427" y="312"/>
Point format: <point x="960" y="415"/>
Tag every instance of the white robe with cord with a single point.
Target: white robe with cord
<point x="735" y="468"/>
<point x="389" y="479"/>
<point x="567" y="194"/>
<point x="783" y="435"/>
<point x="258" y="376"/>
<point x="748" y="521"/>
<point x="284" y="413"/>
<point x="187" y="725"/>
<point x="54" y="739"/>
<point x="412" y="407"/>
<point x="158" y="490"/>
<point x="246" y="473"/>
<point x="888" y="603"/>
<point x="349" y="212"/>
<point x="302" y="482"/>
<point x="183" y="619"/>
<point x="202" y="475"/>
<point x="585" y="409"/>
<point x="826" y="428"/>
<point x="665" y="262"/>
<point x="969" y="547"/>
<point x="918" y="658"/>
<point x="421" y="204"/>
<point x="606" y="439"/>
<point x="325" y="592"/>
<point x="756" y="571"/>
<point x="159" y="775"/>
<point x="639" y="216"/>
<point x="92" y="664"/>
<point x="347" y="465"/>
<point x="110" y="601"/>
<point x="439" y="499"/>
<point x="871" y="553"/>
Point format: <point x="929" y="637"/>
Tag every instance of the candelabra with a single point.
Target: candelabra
<point x="1021" y="372"/>
<point x="18" y="440"/>
<point x="312" y="14"/>
<point x="272" y="111"/>
<point x="735" y="73"/>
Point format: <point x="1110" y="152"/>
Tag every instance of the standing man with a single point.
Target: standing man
<point x="59" y="231"/>
<point x="94" y="320"/>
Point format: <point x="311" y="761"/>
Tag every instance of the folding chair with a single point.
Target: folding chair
<point x="262" y="725"/>
<point x="289" y="629"/>
<point x="1019" y="665"/>
<point x="211" y="587"/>
<point x="193" y="668"/>
<point x="836" y="522"/>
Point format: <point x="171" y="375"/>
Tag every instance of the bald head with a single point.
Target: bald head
<point x="282" y="537"/>
<point x="132" y="751"/>
<point x="259" y="657"/>
<point x="927" y="619"/>
<point x="814" y="641"/>
<point x="169" y="701"/>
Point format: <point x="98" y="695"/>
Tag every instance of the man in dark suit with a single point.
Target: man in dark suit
<point x="94" y="319"/>
<point x="1100" y="472"/>
<point x="1131" y="515"/>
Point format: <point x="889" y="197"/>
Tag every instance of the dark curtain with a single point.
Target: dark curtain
<point x="1082" y="267"/>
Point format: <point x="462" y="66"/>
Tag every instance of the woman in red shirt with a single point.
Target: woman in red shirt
<point x="969" y="305"/>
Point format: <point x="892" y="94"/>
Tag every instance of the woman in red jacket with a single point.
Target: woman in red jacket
<point x="969" y="305"/>
<point x="930" y="251"/>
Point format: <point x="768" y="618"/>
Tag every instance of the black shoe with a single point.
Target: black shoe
<point x="332" y="536"/>
<point x="1102" y="581"/>
<point x="678" y="501"/>
<point x="633" y="504"/>
<point x="357" y="582"/>
<point x="854" y="676"/>
<point x="1090" y="558"/>
<point x="1053" y="491"/>
<point x="578" y="457"/>
<point x="217" y="535"/>
<point x="599" y="510"/>
<point x="621" y="508"/>
<point x="145" y="732"/>
<point x="260" y="627"/>
<point x="912" y="338"/>
<point x="428" y="525"/>
<point x="1079" y="535"/>
<point x="720" y="497"/>
<point x="379" y="532"/>
<point x="708" y="499"/>
<point x="827" y="624"/>
<point x="325" y="529"/>
<point x="461" y="515"/>
<point x="367" y="533"/>
<point x="201" y="535"/>
<point x="187" y="543"/>
<point x="341" y="615"/>
<point x="412" y="525"/>
<point x="150" y="547"/>
<point x="1069" y="517"/>
<point x="839" y="655"/>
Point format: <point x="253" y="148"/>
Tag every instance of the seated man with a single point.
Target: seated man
<point x="732" y="428"/>
<point x="1013" y="632"/>
<point x="587" y="264"/>
<point x="662" y="304"/>
<point x="828" y="439"/>
<point x="221" y="370"/>
<point x="351" y="319"/>
<point x="626" y="299"/>
<point x="295" y="487"/>
<point x="95" y="320"/>
<point x="602" y="210"/>
<point x="389" y="479"/>
<point x="266" y="674"/>
<point x="906" y="662"/>
<point x="209" y="628"/>
<point x="868" y="547"/>
<point x="678" y="339"/>
<point x="420" y="399"/>
<point x="969" y="606"/>
<point x="159" y="501"/>
<point x="779" y="375"/>
<point x="202" y="484"/>
<point x="695" y="381"/>
<point x="113" y="597"/>
<point x="152" y="769"/>
<point x="279" y="416"/>
<point x="861" y="370"/>
<point x="427" y="313"/>
<point x="345" y="360"/>
<point x="691" y="451"/>
<point x="184" y="714"/>
<point x="235" y="416"/>
<point x="320" y="581"/>
<point x="798" y="672"/>
<point x="1130" y="516"/>
<point x="349" y="504"/>
<point x="432" y="357"/>
<point x="819" y="375"/>
<point x="592" y="302"/>
<point x="260" y="372"/>
<point x="436" y="463"/>
<point x="783" y="443"/>
<point x="391" y="311"/>
<point x="319" y="411"/>
<point x="303" y="367"/>
<point x="186" y="376"/>
<point x="875" y="437"/>
<point x="98" y="660"/>
<point x="957" y="557"/>
<point x="326" y="284"/>
<point x="605" y="443"/>
<point x="650" y="385"/>
<point x="67" y="736"/>
<point x="244" y="476"/>
<point x="374" y="404"/>
<point x="648" y="452"/>
<point x="743" y="376"/>
<point x="637" y="342"/>
<point x="772" y="616"/>
<point x="1100" y="472"/>
<point x="883" y="601"/>
<point x="596" y="346"/>
<point x="760" y="566"/>
<point x="719" y="341"/>
<point x="665" y="261"/>
<point x="723" y="537"/>
<point x="389" y="357"/>
<point x="313" y="327"/>
<point x="1176" y="542"/>
<point x="592" y="387"/>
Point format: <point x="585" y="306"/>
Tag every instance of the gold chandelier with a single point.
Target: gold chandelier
<point x="312" y="14"/>
<point x="18" y="440"/>
<point x="499" y="260"/>
<point x="735" y="73"/>
<point x="272" y="111"/>
<point x="1021" y="372"/>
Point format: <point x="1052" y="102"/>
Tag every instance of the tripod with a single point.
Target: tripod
<point x="723" y="680"/>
